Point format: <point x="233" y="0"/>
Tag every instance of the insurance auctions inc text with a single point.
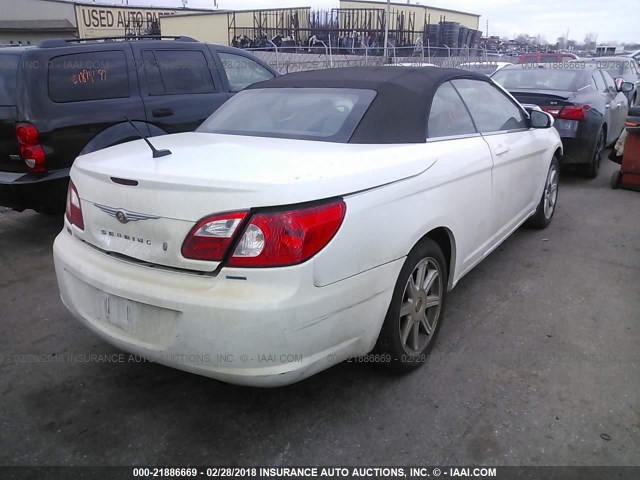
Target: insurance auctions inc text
<point x="376" y="472"/>
<point x="310" y="472"/>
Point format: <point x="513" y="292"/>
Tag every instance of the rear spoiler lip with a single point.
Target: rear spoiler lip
<point x="561" y="95"/>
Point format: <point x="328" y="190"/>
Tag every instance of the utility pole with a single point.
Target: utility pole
<point x="386" y="31"/>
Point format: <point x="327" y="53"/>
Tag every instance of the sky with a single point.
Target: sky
<point x="507" y="18"/>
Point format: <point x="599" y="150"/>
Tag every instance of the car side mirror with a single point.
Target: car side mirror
<point x="626" y="87"/>
<point x="540" y="119"/>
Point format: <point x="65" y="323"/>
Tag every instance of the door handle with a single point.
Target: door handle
<point x="162" y="112"/>
<point x="501" y="149"/>
<point x="607" y="105"/>
<point x="619" y="104"/>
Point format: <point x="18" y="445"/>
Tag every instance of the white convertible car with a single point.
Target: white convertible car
<point x="313" y="218"/>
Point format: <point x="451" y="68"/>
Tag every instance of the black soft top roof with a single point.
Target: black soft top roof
<point x="401" y="108"/>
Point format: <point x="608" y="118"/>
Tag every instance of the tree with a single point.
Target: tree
<point x="540" y="40"/>
<point x="523" y="39"/>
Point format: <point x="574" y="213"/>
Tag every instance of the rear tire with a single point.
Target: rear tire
<point x="590" y="170"/>
<point x="547" y="206"/>
<point x="417" y="308"/>
<point x="615" y="179"/>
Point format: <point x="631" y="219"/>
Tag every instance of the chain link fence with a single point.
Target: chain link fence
<point x="288" y="60"/>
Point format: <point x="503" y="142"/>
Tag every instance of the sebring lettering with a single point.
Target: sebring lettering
<point x="125" y="237"/>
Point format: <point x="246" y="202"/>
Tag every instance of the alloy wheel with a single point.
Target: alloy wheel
<point x="550" y="192"/>
<point x="421" y="306"/>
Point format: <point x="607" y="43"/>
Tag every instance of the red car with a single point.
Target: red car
<point x="548" y="57"/>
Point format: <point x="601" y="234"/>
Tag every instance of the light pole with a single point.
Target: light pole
<point x="386" y="31"/>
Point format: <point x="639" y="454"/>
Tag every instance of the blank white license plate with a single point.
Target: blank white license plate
<point x="117" y="311"/>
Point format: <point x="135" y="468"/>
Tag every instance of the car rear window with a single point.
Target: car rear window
<point x="8" y="78"/>
<point x="88" y="76"/>
<point x="486" y="68"/>
<point x="537" y="78"/>
<point x="549" y="59"/>
<point x="323" y="114"/>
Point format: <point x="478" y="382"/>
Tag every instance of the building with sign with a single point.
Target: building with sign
<point x="407" y="24"/>
<point x="31" y="21"/>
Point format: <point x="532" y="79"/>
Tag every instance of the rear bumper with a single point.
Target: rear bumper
<point x="261" y="327"/>
<point x="577" y="150"/>
<point x="43" y="192"/>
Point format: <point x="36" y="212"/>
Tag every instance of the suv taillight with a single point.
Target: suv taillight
<point x="74" y="209"/>
<point x="29" y="146"/>
<point x="270" y="239"/>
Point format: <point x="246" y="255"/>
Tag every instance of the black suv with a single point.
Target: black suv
<point x="63" y="98"/>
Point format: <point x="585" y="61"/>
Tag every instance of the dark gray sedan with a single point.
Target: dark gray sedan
<point x="589" y="108"/>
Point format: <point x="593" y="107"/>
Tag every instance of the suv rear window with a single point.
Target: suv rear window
<point x="178" y="72"/>
<point x="8" y="76"/>
<point x="88" y="76"/>
<point x="242" y="71"/>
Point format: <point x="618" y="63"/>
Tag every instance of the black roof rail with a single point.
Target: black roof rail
<point x="60" y="42"/>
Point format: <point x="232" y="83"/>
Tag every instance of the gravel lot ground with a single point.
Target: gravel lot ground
<point x="537" y="364"/>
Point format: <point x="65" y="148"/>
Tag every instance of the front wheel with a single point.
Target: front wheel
<point x="417" y="308"/>
<point x="547" y="206"/>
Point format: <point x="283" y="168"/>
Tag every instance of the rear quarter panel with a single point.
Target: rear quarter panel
<point x="383" y="224"/>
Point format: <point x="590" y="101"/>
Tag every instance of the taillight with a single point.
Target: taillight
<point x="27" y="134"/>
<point x="568" y="112"/>
<point x="29" y="146"/>
<point x="211" y="237"/>
<point x="74" y="209"/>
<point x="553" y="110"/>
<point x="270" y="239"/>
<point x="574" y="112"/>
<point x="287" y="238"/>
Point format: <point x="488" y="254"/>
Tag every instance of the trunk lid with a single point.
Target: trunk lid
<point x="213" y="173"/>
<point x="543" y="97"/>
